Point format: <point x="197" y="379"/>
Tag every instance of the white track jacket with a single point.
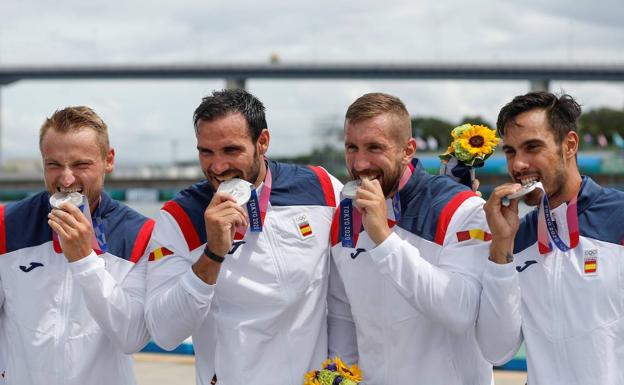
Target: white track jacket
<point x="568" y="307"/>
<point x="264" y="321"/>
<point x="70" y="323"/>
<point x="413" y="299"/>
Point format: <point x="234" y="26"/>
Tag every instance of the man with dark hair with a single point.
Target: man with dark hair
<point x="72" y="276"/>
<point x="554" y="278"/>
<point x="408" y="255"/>
<point x="248" y="281"/>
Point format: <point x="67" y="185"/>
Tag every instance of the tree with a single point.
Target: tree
<point x="606" y="121"/>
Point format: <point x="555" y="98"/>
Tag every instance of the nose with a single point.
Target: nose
<point x="519" y="163"/>
<point x="67" y="177"/>
<point x="359" y="162"/>
<point x="219" y="165"/>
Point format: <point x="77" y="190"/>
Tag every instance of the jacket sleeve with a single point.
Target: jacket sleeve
<point x="117" y="307"/>
<point x="178" y="302"/>
<point x="499" y="322"/>
<point x="340" y="324"/>
<point x="449" y="291"/>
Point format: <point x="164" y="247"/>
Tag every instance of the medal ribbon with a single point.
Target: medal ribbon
<point x="257" y="207"/>
<point x="546" y="228"/>
<point x="351" y="218"/>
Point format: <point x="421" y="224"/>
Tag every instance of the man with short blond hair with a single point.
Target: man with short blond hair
<point x="72" y="278"/>
<point x="407" y="254"/>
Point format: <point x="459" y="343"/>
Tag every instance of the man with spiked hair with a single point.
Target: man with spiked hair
<point x="554" y="279"/>
<point x="240" y="260"/>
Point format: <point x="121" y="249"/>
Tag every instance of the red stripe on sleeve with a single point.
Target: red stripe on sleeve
<point x="447" y="214"/>
<point x="3" y="247"/>
<point x="326" y="185"/>
<point x="142" y="240"/>
<point x="188" y="230"/>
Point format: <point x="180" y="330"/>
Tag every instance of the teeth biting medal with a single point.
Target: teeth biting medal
<point x="527" y="188"/>
<point x="238" y="188"/>
<point x="57" y="199"/>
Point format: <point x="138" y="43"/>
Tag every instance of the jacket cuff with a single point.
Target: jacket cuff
<point x="84" y="265"/>
<point x="497" y="272"/>
<point x="199" y="289"/>
<point x="385" y="248"/>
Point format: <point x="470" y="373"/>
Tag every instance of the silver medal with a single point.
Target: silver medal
<point x="527" y="188"/>
<point x="238" y="188"/>
<point x="350" y="188"/>
<point x="57" y="199"/>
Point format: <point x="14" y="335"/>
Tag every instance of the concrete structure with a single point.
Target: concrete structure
<point x="236" y="75"/>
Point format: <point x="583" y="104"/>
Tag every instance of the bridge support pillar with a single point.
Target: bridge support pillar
<point x="539" y="85"/>
<point x="235" y="83"/>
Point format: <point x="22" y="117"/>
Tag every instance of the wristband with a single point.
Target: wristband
<point x="213" y="256"/>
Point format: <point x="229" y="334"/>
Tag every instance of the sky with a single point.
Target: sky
<point x="150" y="122"/>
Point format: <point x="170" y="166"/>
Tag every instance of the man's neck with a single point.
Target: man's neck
<point x="571" y="190"/>
<point x="261" y="174"/>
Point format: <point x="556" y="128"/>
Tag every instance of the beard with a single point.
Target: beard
<point x="554" y="187"/>
<point x="388" y="180"/>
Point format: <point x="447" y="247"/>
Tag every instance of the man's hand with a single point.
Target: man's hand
<point x="475" y="187"/>
<point x="222" y="217"/>
<point x="74" y="231"/>
<point x="371" y="202"/>
<point x="503" y="221"/>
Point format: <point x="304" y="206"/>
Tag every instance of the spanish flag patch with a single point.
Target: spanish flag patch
<point x="303" y="224"/>
<point x="159" y="253"/>
<point x="590" y="262"/>
<point x="473" y="234"/>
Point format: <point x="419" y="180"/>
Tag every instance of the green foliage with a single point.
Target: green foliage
<point x="441" y="129"/>
<point x="476" y="119"/>
<point x="606" y="121"/>
<point x="331" y="158"/>
<point x="429" y="126"/>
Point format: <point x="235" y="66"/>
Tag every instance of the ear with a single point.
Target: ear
<point x="570" y="145"/>
<point x="110" y="161"/>
<point x="409" y="150"/>
<point x="262" y="145"/>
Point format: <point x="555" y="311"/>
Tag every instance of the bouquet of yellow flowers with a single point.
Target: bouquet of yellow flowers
<point x="333" y="373"/>
<point x="471" y="146"/>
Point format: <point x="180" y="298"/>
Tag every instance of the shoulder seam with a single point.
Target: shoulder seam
<point x="447" y="214"/>
<point x="142" y="240"/>
<point x="185" y="223"/>
<point x="326" y="185"/>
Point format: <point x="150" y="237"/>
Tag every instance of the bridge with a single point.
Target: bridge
<point x="236" y="74"/>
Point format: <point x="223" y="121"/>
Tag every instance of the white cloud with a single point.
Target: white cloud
<point x="146" y="118"/>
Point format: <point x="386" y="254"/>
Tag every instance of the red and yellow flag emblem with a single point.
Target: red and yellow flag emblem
<point x="473" y="234"/>
<point x="159" y="253"/>
<point x="305" y="229"/>
<point x="591" y="265"/>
